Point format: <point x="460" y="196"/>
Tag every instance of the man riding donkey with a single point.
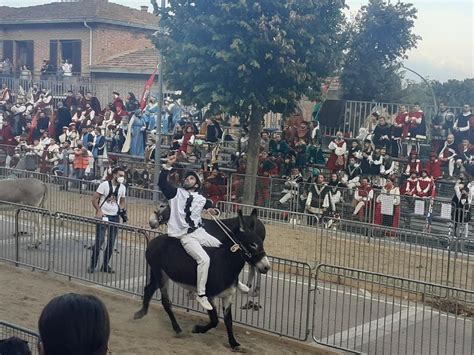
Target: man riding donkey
<point x="185" y="223"/>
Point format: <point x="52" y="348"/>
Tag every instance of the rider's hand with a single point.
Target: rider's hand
<point x="212" y="211"/>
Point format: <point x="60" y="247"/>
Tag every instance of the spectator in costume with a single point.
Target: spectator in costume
<point x="447" y="154"/>
<point x="416" y="128"/>
<point x="425" y="187"/>
<point x="387" y="207"/>
<point x="337" y="159"/>
<point x="461" y="126"/>
<point x="441" y="125"/>
<point x="352" y="174"/>
<point x="363" y="197"/>
<point x="434" y="167"/>
<point x="314" y="154"/>
<point x="317" y="200"/>
<point x="382" y="133"/>
<point x="399" y="131"/>
<point x="465" y="158"/>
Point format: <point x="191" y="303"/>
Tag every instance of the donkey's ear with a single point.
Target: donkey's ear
<point x="241" y="221"/>
<point x="253" y="219"/>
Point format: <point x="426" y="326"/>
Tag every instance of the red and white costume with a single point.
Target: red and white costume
<point x="363" y="196"/>
<point x="410" y="186"/>
<point x="414" y="166"/>
<point x="337" y="159"/>
<point x="425" y="187"/>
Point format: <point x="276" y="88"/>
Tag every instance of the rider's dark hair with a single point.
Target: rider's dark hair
<point x="117" y="169"/>
<point x="74" y="324"/>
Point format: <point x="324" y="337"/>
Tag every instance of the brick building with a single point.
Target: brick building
<point x="105" y="42"/>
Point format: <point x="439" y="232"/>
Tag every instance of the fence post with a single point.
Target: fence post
<point x="17" y="237"/>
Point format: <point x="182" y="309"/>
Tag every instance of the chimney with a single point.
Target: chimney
<point x="144" y="8"/>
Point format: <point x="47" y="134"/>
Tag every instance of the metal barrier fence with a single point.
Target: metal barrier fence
<point x="74" y="196"/>
<point x="22" y="230"/>
<point x="8" y="330"/>
<point x="445" y="260"/>
<point x="356" y="113"/>
<point x="376" y="313"/>
<point x="282" y="307"/>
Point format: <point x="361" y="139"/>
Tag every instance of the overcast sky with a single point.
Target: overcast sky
<point x="447" y="48"/>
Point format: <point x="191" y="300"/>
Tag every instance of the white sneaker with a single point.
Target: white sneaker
<point x="204" y="302"/>
<point x="242" y="288"/>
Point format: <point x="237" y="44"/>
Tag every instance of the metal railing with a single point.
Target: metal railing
<point x="375" y="313"/>
<point x="442" y="259"/>
<point x="283" y="304"/>
<point x="356" y="113"/>
<point x="8" y="330"/>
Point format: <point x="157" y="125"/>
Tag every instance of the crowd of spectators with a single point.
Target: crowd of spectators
<point x="74" y="136"/>
<point x="390" y="154"/>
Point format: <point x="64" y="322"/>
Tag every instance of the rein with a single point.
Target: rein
<point x="234" y="248"/>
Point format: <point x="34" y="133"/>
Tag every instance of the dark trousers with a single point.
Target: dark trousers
<point x="100" y="238"/>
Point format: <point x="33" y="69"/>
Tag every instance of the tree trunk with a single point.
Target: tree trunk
<point x="255" y="127"/>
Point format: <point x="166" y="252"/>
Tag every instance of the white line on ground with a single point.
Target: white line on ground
<point x="380" y="327"/>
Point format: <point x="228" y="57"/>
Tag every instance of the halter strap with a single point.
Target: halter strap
<point x="227" y="232"/>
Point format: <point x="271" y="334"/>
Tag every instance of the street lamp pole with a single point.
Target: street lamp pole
<point x="158" y="121"/>
<point x="427" y="83"/>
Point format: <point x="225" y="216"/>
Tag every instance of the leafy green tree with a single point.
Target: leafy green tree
<point x="247" y="57"/>
<point x="452" y="92"/>
<point x="379" y="37"/>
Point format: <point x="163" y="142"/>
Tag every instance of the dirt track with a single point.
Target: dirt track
<point x="22" y="302"/>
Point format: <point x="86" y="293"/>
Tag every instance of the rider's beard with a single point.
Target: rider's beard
<point x="188" y="186"/>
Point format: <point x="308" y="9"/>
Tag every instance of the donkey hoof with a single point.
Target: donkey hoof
<point x="197" y="329"/>
<point x="238" y="349"/>
<point x="140" y="314"/>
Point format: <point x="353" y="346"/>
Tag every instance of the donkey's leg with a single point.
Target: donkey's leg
<point x="166" y="302"/>
<point x="214" y="320"/>
<point x="149" y="291"/>
<point x="227" y="304"/>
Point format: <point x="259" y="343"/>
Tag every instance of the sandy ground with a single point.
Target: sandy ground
<point x="22" y="302"/>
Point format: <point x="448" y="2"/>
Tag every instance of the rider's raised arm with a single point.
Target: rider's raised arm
<point x="168" y="190"/>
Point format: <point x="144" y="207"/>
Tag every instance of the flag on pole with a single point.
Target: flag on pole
<point x="146" y="89"/>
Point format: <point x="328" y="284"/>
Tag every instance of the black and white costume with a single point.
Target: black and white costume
<point x="185" y="223"/>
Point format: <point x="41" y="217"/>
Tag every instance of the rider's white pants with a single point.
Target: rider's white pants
<point x="193" y="243"/>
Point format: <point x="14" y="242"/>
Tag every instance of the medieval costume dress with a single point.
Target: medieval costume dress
<point x="399" y="132"/>
<point x="135" y="144"/>
<point x="387" y="207"/>
<point x="317" y="200"/>
<point x="425" y="186"/>
<point x="466" y="158"/>
<point x="353" y="174"/>
<point x="409" y="187"/>
<point x="363" y="197"/>
<point x="292" y="185"/>
<point x="433" y="167"/>
<point x="461" y="211"/>
<point x="382" y="135"/>
<point x="461" y="127"/>
<point x="413" y="166"/>
<point x="337" y="159"/>
<point x="416" y="130"/>
<point x="150" y="115"/>
<point x="447" y="155"/>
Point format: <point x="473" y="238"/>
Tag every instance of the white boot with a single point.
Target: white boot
<point x="242" y="288"/>
<point x="204" y="302"/>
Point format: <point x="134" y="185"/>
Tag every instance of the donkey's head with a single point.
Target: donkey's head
<point x="160" y="216"/>
<point x="250" y="243"/>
